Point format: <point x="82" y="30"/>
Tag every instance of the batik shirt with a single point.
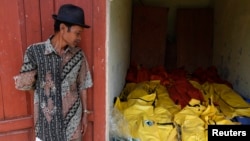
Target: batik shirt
<point x="57" y="83"/>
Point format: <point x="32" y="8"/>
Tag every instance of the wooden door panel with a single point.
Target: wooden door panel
<point x="23" y="135"/>
<point x="33" y="31"/>
<point x="16" y="124"/>
<point x="16" y="120"/>
<point x="14" y="102"/>
<point x="194" y="38"/>
<point x="1" y="100"/>
<point x="47" y="8"/>
<point x="149" y="36"/>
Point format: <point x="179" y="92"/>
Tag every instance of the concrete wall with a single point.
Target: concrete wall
<point x="118" y="48"/>
<point x="232" y="41"/>
<point x="118" y="45"/>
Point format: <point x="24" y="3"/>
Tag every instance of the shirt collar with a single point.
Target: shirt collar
<point x="50" y="49"/>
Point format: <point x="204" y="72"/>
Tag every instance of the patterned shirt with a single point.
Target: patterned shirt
<point x="57" y="83"/>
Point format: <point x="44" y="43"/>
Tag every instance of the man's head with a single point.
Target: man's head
<point x="70" y="23"/>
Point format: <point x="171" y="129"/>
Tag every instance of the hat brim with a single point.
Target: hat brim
<point x="82" y="25"/>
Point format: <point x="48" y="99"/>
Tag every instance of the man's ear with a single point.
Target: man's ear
<point x="63" y="27"/>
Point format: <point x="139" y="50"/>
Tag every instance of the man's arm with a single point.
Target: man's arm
<point x="83" y="97"/>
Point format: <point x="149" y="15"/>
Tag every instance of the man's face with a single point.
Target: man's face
<point x="72" y="35"/>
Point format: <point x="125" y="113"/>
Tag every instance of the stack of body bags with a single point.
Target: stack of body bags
<point x="145" y="112"/>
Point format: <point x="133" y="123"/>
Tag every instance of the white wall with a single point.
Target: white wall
<point x="118" y="48"/>
<point x="232" y="43"/>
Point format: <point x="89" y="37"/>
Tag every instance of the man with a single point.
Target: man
<point x="58" y="72"/>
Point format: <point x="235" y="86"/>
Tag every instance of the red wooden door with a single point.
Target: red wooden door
<point x="24" y="22"/>
<point x="194" y="38"/>
<point x="16" y="120"/>
<point x="149" y="36"/>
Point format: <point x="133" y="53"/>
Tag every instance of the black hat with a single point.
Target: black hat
<point x="71" y="14"/>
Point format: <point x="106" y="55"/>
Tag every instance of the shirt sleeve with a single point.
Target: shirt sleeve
<point x="25" y="80"/>
<point x="85" y="78"/>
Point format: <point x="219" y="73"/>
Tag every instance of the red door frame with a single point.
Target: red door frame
<point x="99" y="57"/>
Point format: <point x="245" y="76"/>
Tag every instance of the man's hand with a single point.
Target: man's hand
<point x="85" y="121"/>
